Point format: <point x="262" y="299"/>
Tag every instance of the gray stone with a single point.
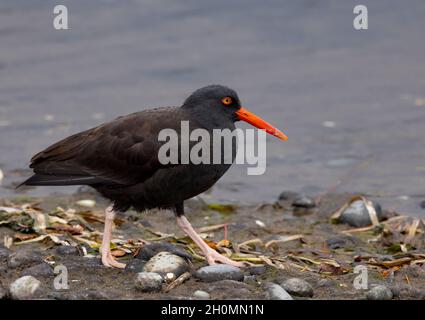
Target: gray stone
<point x="67" y="251"/>
<point x="23" y="258"/>
<point x="150" y="250"/>
<point x="379" y="293"/>
<point x="288" y="195"/>
<point x="357" y="215"/>
<point x="219" y="272"/>
<point x="422" y="204"/>
<point x="39" y="270"/>
<point x="199" y="294"/>
<point x="276" y="292"/>
<point x="304" y="202"/>
<point x="165" y="262"/>
<point x="148" y="281"/>
<point x="24" y="288"/>
<point x="257" y="270"/>
<point x="298" y="287"/>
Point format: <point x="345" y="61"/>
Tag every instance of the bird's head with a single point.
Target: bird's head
<point x="223" y="100"/>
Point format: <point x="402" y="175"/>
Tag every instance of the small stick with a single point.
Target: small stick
<point x="178" y="281"/>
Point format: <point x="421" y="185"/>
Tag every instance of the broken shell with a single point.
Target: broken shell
<point x="86" y="203"/>
<point x="170" y="277"/>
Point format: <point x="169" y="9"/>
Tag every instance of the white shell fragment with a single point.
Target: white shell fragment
<point x="86" y="203"/>
<point x="260" y="223"/>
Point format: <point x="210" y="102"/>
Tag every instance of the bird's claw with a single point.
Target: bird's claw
<point x="213" y="256"/>
<point x="109" y="261"/>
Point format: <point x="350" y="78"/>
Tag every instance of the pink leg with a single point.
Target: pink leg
<point x="107" y="259"/>
<point x="211" y="255"/>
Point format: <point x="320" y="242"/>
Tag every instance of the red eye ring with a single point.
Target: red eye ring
<point x="227" y="101"/>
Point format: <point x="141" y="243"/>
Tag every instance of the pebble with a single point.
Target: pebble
<point x="379" y="293"/>
<point x="288" y="195"/>
<point x="199" y="294"/>
<point x="169" y="277"/>
<point x="149" y="250"/>
<point x="304" y="202"/>
<point x="357" y="215"/>
<point x="22" y="258"/>
<point x="39" y="270"/>
<point x="422" y="204"/>
<point x="257" y="270"/>
<point x="87" y="203"/>
<point x="67" y="251"/>
<point x="148" y="281"/>
<point x="1" y="175"/>
<point x="24" y="288"/>
<point x="165" y="262"/>
<point x="342" y="241"/>
<point x="219" y="272"/>
<point x="298" y="287"/>
<point x="276" y="292"/>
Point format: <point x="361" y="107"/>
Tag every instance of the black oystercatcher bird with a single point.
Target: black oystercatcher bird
<point x="120" y="160"/>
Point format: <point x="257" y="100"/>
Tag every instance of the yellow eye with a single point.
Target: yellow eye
<point x="227" y="101"/>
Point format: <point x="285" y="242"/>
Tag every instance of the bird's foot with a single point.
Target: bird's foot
<point x="213" y="256"/>
<point x="109" y="261"/>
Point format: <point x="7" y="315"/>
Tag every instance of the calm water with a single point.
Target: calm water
<point x="345" y="98"/>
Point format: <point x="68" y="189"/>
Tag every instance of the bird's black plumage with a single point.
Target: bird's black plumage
<point x="120" y="158"/>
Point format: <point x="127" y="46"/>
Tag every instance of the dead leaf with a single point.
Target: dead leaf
<point x="118" y="253"/>
<point x="224" y="243"/>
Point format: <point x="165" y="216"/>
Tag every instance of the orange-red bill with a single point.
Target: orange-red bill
<point x="256" y="121"/>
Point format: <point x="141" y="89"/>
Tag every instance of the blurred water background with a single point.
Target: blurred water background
<point x="352" y="102"/>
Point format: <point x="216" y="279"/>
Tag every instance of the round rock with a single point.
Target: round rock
<point x="304" y="202"/>
<point x="288" y="195"/>
<point x="276" y="292"/>
<point x="199" y="294"/>
<point x="257" y="270"/>
<point x="148" y="281"/>
<point x="165" y="262"/>
<point x="298" y="287"/>
<point x="379" y="293"/>
<point x="219" y="272"/>
<point x="67" y="251"/>
<point x="357" y="215"/>
<point x="24" y="288"/>
<point x="422" y="204"/>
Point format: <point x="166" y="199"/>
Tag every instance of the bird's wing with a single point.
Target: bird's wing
<point x="123" y="151"/>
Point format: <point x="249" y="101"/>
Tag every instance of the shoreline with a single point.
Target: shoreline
<point x="277" y="240"/>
